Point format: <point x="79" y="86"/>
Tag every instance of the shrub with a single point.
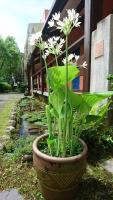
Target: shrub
<point x="19" y="148"/>
<point x="21" y="87"/>
<point x="4" y="87"/>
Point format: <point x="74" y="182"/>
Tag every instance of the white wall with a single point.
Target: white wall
<point x="101" y="55"/>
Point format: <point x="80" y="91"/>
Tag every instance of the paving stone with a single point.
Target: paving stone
<point x="11" y="194"/>
<point x="108" y="165"/>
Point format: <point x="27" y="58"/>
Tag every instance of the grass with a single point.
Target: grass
<point x="96" y="184"/>
<point x="5" y="115"/>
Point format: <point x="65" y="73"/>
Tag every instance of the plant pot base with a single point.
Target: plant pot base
<point x="68" y="194"/>
<point x="59" y="177"/>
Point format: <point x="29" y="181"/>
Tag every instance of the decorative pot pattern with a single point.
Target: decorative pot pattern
<point x="59" y="177"/>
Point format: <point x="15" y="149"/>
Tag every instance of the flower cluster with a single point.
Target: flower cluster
<point x="36" y="39"/>
<point x="55" y="45"/>
<point x="67" y="24"/>
<point x="70" y="59"/>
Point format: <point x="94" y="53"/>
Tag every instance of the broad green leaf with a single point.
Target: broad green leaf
<point x="100" y="110"/>
<point x="90" y="99"/>
<point x="56" y="98"/>
<point x="57" y="75"/>
<point x="84" y="102"/>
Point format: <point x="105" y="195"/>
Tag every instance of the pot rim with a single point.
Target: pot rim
<point x="58" y="159"/>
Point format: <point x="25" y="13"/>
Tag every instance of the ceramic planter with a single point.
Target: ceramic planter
<point x="59" y="177"/>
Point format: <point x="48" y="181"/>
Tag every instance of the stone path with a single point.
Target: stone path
<point x="11" y="194"/>
<point x="108" y="165"/>
<point x="4" y="98"/>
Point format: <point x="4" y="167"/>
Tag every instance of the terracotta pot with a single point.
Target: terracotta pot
<point x="59" y="177"/>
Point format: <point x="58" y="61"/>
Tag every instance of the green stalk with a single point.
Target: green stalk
<point x="56" y="60"/>
<point x="59" y="137"/>
<point x="46" y="73"/>
<point x="48" y="114"/>
<point x="66" y="98"/>
<point x="71" y="135"/>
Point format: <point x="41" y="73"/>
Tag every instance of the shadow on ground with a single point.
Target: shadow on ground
<point x="93" y="189"/>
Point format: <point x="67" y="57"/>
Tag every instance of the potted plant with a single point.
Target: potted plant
<point x="60" y="156"/>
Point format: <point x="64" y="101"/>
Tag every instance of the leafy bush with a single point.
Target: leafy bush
<point x="4" y="87"/>
<point x="36" y="117"/>
<point x="99" y="139"/>
<point x="21" y="87"/>
<point x="20" y="147"/>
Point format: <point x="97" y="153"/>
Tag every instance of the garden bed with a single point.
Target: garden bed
<point x="18" y="172"/>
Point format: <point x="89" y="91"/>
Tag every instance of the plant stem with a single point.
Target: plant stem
<point x="46" y="73"/>
<point x="56" y="60"/>
<point x="66" y="98"/>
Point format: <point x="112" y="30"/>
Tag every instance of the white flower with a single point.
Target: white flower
<point x="56" y="38"/>
<point x="60" y="24"/>
<point x="46" y="52"/>
<point x="76" y="23"/>
<point x="34" y="38"/>
<point x="67" y="24"/>
<point x="55" y="45"/>
<point x="71" y="14"/>
<point x="50" y="40"/>
<point x="56" y="16"/>
<point x="84" y="65"/>
<point x="70" y="58"/>
<point x="77" y="57"/>
<point x="62" y="41"/>
<point x="51" y="23"/>
<point x="38" y="35"/>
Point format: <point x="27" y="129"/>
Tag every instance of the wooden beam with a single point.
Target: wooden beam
<point x="87" y="42"/>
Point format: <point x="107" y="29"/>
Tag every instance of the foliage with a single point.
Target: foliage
<point x="4" y="87"/>
<point x="38" y="118"/>
<point x="20" y="147"/>
<point x="21" y="87"/>
<point x="63" y="104"/>
<point x="10" y="60"/>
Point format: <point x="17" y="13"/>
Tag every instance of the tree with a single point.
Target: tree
<point x="10" y="59"/>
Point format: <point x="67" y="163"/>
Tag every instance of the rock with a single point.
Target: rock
<point x="27" y="158"/>
<point x="12" y="117"/>
<point x="13" y="113"/>
<point x="1" y="146"/>
<point x="108" y="165"/>
<point x="10" y="128"/>
<point x="11" y="194"/>
<point x="12" y="122"/>
<point x="7" y="131"/>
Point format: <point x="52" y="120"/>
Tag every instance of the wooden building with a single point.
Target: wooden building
<point x="91" y="12"/>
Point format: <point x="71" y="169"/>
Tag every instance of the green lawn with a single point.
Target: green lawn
<point x="5" y="115"/>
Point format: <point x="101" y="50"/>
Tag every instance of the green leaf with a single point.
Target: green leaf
<point x="51" y="140"/>
<point x="57" y="100"/>
<point x="57" y="75"/>
<point x="84" y="102"/>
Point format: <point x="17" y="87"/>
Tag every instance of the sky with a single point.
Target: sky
<point x="15" y="15"/>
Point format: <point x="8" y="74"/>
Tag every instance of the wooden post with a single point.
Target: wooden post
<point x="29" y="80"/>
<point x="31" y="92"/>
<point x="87" y="42"/>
